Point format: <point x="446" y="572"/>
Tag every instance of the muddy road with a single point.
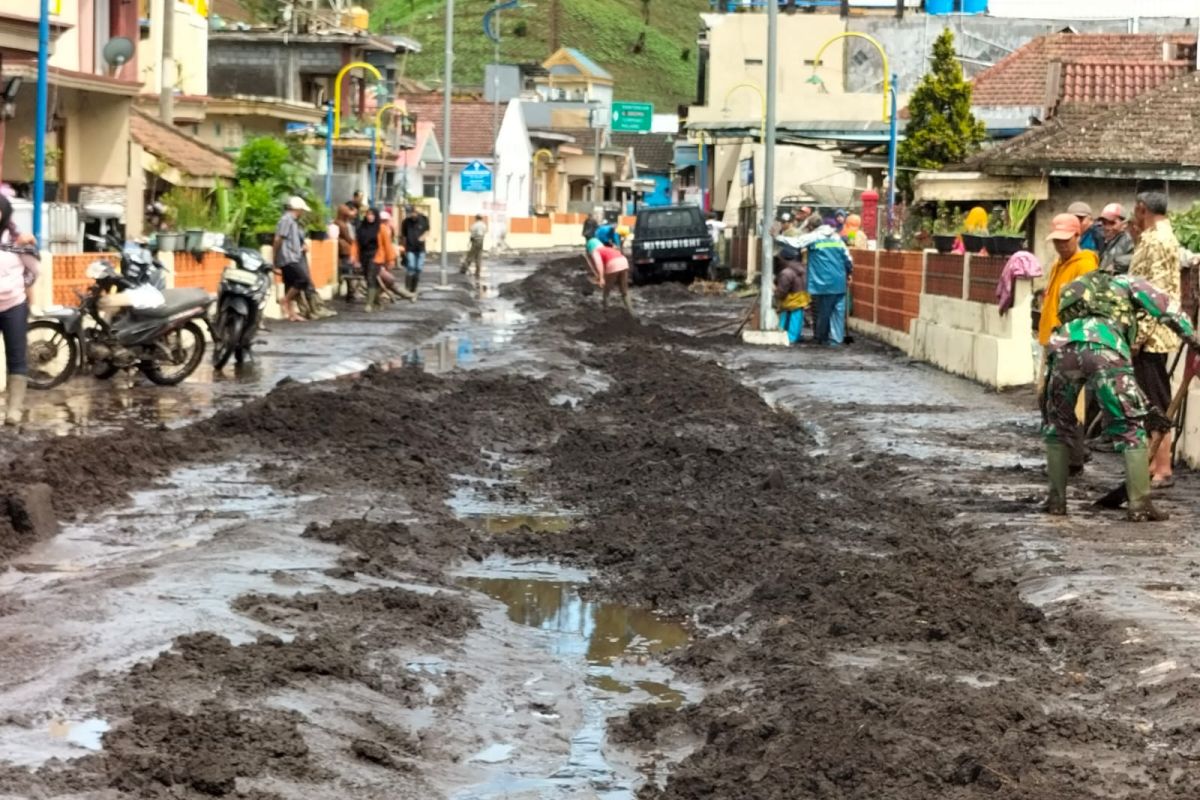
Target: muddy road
<point x="564" y="553"/>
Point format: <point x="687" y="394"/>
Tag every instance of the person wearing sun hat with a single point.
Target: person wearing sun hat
<point x="1116" y="245"/>
<point x="1073" y="263"/>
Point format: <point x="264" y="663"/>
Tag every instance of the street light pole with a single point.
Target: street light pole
<point x="43" y="99"/>
<point x="766" y="312"/>
<point x="891" y="196"/>
<point x="329" y="156"/>
<point x="447" y="91"/>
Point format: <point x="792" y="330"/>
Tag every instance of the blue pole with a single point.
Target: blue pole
<point x="891" y="198"/>
<point x="329" y="156"/>
<point x="371" y="194"/>
<point x="39" y="165"/>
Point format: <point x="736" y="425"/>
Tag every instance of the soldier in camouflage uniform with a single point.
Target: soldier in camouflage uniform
<point x="1100" y="315"/>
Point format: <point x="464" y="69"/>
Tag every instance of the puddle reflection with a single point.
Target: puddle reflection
<point x="599" y="632"/>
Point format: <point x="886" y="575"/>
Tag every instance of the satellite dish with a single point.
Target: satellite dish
<point x="117" y="51"/>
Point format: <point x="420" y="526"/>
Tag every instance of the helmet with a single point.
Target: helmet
<point x="622" y="230"/>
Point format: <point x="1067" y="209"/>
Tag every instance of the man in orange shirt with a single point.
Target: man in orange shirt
<point x="1072" y="263"/>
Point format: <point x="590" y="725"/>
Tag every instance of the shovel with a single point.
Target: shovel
<point x="1119" y="495"/>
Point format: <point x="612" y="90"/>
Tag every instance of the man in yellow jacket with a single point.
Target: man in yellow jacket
<point x="1072" y="263"/>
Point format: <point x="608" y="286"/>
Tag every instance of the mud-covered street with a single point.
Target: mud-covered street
<point x="557" y="552"/>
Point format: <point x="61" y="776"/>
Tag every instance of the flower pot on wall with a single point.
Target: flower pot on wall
<point x="1005" y="245"/>
<point x="973" y="242"/>
<point x="944" y="242"/>
<point x="169" y="242"/>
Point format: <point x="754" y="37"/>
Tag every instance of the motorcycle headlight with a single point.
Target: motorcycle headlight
<point x="97" y="270"/>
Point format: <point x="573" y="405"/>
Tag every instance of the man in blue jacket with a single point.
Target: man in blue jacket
<point x="829" y="271"/>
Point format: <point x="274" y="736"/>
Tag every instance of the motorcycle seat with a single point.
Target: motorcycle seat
<point x="175" y="301"/>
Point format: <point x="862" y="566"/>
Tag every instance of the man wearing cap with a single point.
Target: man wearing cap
<point x="1072" y="263"/>
<point x="1090" y="235"/>
<point x="1116" y="247"/>
<point x="1156" y="260"/>
<point x="290" y="249"/>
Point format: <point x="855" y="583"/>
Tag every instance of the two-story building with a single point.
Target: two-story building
<point x="90" y="151"/>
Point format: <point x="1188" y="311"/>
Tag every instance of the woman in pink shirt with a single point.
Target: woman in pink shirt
<point x="18" y="269"/>
<point x="614" y="267"/>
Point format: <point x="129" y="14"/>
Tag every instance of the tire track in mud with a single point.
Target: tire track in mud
<point x="852" y="645"/>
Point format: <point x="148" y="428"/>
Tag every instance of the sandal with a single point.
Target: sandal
<point x="1163" y="483"/>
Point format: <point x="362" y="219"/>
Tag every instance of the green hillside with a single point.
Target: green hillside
<point x="608" y="31"/>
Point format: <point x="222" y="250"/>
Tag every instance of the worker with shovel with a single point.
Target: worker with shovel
<point x="1099" y="314"/>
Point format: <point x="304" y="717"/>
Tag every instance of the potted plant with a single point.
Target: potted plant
<point x="1009" y="232"/>
<point x="946" y="225"/>
<point x="317" y="220"/>
<point x="975" y="239"/>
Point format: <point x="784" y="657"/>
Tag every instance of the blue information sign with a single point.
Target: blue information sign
<point x="476" y="177"/>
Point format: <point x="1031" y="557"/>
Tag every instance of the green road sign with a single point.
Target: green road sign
<point x="632" y="117"/>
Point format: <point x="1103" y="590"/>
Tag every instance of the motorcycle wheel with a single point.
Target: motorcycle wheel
<point x="228" y="338"/>
<point x="52" y="354"/>
<point x="186" y="347"/>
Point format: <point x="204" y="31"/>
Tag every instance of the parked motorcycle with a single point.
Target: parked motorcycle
<point x="165" y="341"/>
<point x="245" y="287"/>
<point x="138" y="264"/>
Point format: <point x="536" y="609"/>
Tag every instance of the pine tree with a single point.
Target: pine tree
<point x="941" y="129"/>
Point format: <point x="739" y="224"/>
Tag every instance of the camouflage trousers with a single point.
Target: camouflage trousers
<point x="1110" y="377"/>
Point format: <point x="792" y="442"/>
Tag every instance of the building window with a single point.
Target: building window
<point x="431" y="187"/>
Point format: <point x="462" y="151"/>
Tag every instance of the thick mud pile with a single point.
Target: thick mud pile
<point x="869" y="656"/>
<point x="853" y="639"/>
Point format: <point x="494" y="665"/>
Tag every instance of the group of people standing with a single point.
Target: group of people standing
<point x="370" y="250"/>
<point x="814" y="270"/>
<point x="1109" y="321"/>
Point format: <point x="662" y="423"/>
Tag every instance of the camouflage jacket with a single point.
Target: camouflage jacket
<point x="1103" y="309"/>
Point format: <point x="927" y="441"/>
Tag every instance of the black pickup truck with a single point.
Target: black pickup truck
<point x="670" y="242"/>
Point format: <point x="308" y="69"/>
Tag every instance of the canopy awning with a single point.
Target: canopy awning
<point x="964" y="187"/>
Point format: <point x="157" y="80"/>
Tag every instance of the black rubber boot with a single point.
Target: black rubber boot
<point x="1058" y="467"/>
<point x="1137" y="484"/>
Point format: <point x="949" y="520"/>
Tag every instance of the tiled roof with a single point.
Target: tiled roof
<point x="1157" y="129"/>
<point x="175" y="148"/>
<point x="1020" y="79"/>
<point x="1114" y="82"/>
<point x="654" y="151"/>
<point x="470" y="123"/>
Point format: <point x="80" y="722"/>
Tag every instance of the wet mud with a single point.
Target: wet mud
<point x="728" y="606"/>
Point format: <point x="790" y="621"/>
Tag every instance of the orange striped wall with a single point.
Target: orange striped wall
<point x="68" y="274"/>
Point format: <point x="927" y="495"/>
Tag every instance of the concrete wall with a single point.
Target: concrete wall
<point x="973" y="340"/>
<point x="737" y="55"/>
<point x="978" y="38"/>
<point x="190" y="50"/>
<point x="267" y="68"/>
<point x="97" y="134"/>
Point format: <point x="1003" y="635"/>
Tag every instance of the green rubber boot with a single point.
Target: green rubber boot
<point x="372" y="300"/>
<point x="1137" y="484"/>
<point x="1058" y="467"/>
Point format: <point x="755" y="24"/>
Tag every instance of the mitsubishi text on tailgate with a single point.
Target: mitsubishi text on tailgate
<point x="670" y="242"/>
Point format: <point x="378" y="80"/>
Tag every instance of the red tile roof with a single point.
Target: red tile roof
<point x="1154" y="131"/>
<point x="1020" y="79"/>
<point x="174" y="147"/>
<point x="1114" y="82"/>
<point x="470" y="123"/>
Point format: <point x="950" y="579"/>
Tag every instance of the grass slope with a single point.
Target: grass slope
<point x="605" y="30"/>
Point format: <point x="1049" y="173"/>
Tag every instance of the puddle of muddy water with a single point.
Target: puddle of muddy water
<point x="613" y="645"/>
